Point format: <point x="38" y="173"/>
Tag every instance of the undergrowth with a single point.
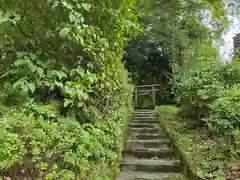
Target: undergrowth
<point x="208" y="156"/>
<point x="64" y="92"/>
<point x="35" y="147"/>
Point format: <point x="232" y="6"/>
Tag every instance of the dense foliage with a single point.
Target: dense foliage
<point x="199" y="85"/>
<point x="208" y="157"/>
<point x="205" y="87"/>
<point x="171" y="31"/>
<point x="177" y="45"/>
<point x="65" y="94"/>
<point x="206" y="124"/>
<point x="225" y="113"/>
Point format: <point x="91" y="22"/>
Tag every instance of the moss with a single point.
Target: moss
<point x="170" y="113"/>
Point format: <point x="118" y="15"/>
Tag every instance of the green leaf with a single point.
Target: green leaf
<point x="54" y="167"/>
<point x="40" y="72"/>
<point x="32" y="56"/>
<point x="67" y="102"/>
<point x="19" y="62"/>
<point x="80" y="104"/>
<point x="72" y="17"/>
<point x="20" y="54"/>
<point x="64" y="32"/>
<point x="60" y="74"/>
<point x="17" y="17"/>
<point x="3" y="18"/>
<point x="31" y="87"/>
<point x="59" y="84"/>
<point x="44" y="165"/>
<point x="49" y="176"/>
<point x="86" y="6"/>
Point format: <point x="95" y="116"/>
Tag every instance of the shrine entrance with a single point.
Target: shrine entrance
<point x="147" y="92"/>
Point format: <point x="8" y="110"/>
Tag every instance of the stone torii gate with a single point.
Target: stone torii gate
<point x="146" y="89"/>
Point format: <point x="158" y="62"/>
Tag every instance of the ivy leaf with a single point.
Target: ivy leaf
<point x="44" y="165"/>
<point x="24" y="86"/>
<point x="54" y="167"/>
<point x="60" y="74"/>
<point x="31" y="86"/>
<point x="80" y="104"/>
<point x="12" y="17"/>
<point x="91" y="79"/>
<point x="67" y="102"/>
<point x="50" y="176"/>
<point x="63" y="33"/>
<point x="19" y="62"/>
<point x="32" y="56"/>
<point x="67" y="5"/>
<point x="84" y="96"/>
<point x="40" y="72"/>
<point x="80" y="72"/>
<point x="20" y="54"/>
<point x="59" y="84"/>
<point x="86" y="6"/>
<point x="3" y="18"/>
<point x="17" y="17"/>
<point x="72" y="17"/>
<point x="71" y="91"/>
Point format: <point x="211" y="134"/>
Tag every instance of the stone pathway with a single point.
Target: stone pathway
<point x="148" y="154"/>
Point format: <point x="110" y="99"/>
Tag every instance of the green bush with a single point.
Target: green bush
<point x="144" y="102"/>
<point x="167" y="112"/>
<point x="225" y="111"/>
<point x="63" y="86"/>
<point x="208" y="157"/>
<point x="199" y="85"/>
<point x="31" y="143"/>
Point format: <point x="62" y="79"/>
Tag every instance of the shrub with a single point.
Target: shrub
<point x="167" y="112"/>
<point x="144" y="102"/>
<point x="63" y="52"/>
<point x="225" y="111"/>
<point x="62" y="148"/>
<point x="198" y="85"/>
<point x="208" y="157"/>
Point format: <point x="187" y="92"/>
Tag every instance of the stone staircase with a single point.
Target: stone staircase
<point x="148" y="154"/>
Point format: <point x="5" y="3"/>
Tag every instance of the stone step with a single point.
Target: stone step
<point x="144" y="110"/>
<point x="147" y="121"/>
<point x="144" y="117"/>
<point x="160" y="143"/>
<point x="149" y="153"/>
<point x="145" y="130"/>
<point x="146" y="136"/>
<point x="150" y="136"/>
<point x="149" y="165"/>
<point x="140" y="175"/>
<point x="142" y="125"/>
<point x="143" y="113"/>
